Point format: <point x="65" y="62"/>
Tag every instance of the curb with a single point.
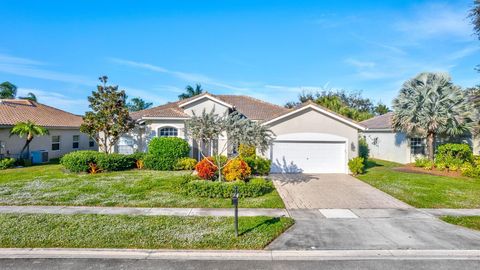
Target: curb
<point x="263" y="255"/>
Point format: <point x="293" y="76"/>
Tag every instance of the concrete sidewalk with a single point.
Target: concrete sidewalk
<point x="70" y="210"/>
<point x="268" y="255"/>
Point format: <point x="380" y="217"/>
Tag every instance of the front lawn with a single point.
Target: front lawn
<point x="423" y="190"/>
<point x="469" y="222"/>
<point x="142" y="232"/>
<point x="50" y="185"/>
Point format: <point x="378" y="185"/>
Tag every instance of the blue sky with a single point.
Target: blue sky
<point x="272" y="50"/>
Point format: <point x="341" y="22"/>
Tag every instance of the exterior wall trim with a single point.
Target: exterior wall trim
<point x="209" y="97"/>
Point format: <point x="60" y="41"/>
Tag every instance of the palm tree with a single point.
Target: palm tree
<point x="191" y="92"/>
<point x="30" y="130"/>
<point x="30" y="96"/>
<point x="137" y="104"/>
<point x="430" y="105"/>
<point x="7" y="90"/>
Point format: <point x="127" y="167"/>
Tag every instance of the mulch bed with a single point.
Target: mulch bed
<point x="410" y="168"/>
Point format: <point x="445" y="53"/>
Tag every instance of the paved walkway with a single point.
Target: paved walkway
<point x="142" y="211"/>
<point x="313" y="191"/>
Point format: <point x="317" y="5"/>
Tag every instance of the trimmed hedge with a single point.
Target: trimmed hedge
<point x="164" y="152"/>
<point x="78" y="161"/>
<point x="259" y="165"/>
<point x="185" y="164"/>
<point x="7" y="163"/>
<point x="209" y="189"/>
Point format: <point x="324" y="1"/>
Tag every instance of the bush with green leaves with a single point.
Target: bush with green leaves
<point x="137" y="156"/>
<point x="259" y="165"/>
<point x="7" y="163"/>
<point x="356" y="165"/>
<point x="453" y="155"/>
<point x="115" y="162"/>
<point x="214" y="189"/>
<point x="363" y="150"/>
<point x="164" y="152"/>
<point x="421" y="162"/>
<point x="185" y="164"/>
<point x="470" y="170"/>
<point x="79" y="161"/>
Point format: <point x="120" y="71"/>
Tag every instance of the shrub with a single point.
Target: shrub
<point x="185" y="164"/>
<point x="470" y="170"/>
<point x="254" y="188"/>
<point x="138" y="157"/>
<point x="453" y="155"/>
<point x="259" y="165"/>
<point x="363" y="150"/>
<point x="428" y="165"/>
<point x="166" y="150"/>
<point x="236" y="170"/>
<point x="356" y="165"/>
<point x="421" y="162"/>
<point x="79" y="161"/>
<point x="7" y="163"/>
<point x="206" y="169"/>
<point x="245" y="150"/>
<point x="115" y="162"/>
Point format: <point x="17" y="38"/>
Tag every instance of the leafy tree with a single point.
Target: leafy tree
<point x="191" y="92"/>
<point x="138" y="104"/>
<point x="208" y="127"/>
<point x="29" y="130"/>
<point x="108" y="118"/>
<point x="30" y="96"/>
<point x="8" y="90"/>
<point x="475" y="17"/>
<point x="381" y="109"/>
<point x="430" y="105"/>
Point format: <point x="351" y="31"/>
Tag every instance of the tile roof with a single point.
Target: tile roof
<point x="13" y="111"/>
<point x="383" y="121"/>
<point x="252" y="108"/>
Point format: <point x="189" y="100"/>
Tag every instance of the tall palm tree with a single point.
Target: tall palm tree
<point x="30" y="96"/>
<point x="430" y="105"/>
<point x="7" y="90"/>
<point x="29" y="130"/>
<point x="191" y="92"/>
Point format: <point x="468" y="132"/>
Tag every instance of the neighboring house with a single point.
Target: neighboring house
<point x="64" y="129"/>
<point x="387" y="144"/>
<point x="309" y="138"/>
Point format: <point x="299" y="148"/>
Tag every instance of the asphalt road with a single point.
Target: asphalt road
<point x="117" y="264"/>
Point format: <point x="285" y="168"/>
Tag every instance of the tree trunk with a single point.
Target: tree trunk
<point x="27" y="143"/>
<point x="430" y="145"/>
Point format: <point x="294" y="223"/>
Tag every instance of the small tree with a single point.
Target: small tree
<point x="109" y="118"/>
<point x="8" y="90"/>
<point x="28" y="129"/>
<point x="430" y="105"/>
<point x="137" y="104"/>
<point x="208" y="127"/>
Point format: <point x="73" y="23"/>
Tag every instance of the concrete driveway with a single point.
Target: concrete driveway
<point x="312" y="191"/>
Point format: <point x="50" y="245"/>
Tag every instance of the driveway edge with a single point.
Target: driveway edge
<point x="264" y="255"/>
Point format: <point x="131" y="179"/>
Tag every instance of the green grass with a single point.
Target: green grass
<point x="423" y="190"/>
<point x="51" y="185"/>
<point x="469" y="222"/>
<point x="142" y="232"/>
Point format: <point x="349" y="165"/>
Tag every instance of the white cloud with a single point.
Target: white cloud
<point x="186" y="76"/>
<point x="436" y="20"/>
<point x="57" y="100"/>
<point x="30" y="68"/>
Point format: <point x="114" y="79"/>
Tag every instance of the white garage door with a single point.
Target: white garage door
<point x="308" y="157"/>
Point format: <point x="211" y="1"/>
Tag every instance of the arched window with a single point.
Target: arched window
<point x="168" y="132"/>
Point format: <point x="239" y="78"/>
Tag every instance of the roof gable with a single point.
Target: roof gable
<point x="383" y="121"/>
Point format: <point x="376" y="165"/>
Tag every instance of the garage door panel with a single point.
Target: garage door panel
<point x="308" y="157"/>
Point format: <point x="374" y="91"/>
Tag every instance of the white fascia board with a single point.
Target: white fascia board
<point x="209" y="97"/>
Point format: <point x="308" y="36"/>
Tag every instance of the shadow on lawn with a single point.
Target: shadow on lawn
<point x="266" y="222"/>
<point x="372" y="164"/>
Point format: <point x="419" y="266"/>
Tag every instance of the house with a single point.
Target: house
<point x="64" y="129"/>
<point x="387" y="144"/>
<point x="309" y="138"/>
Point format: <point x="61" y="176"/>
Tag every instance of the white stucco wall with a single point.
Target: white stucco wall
<point x="312" y="121"/>
<point x="14" y="144"/>
<point x="206" y="104"/>
<point x="388" y="145"/>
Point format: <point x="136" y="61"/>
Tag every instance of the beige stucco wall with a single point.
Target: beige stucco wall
<point x="206" y="104"/>
<point x="312" y="121"/>
<point x="14" y="144"/>
<point x="388" y="145"/>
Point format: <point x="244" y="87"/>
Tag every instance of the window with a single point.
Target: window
<point x="417" y="147"/>
<point x="91" y="142"/>
<point x="55" y="143"/>
<point x="76" y="140"/>
<point x="168" y="132"/>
